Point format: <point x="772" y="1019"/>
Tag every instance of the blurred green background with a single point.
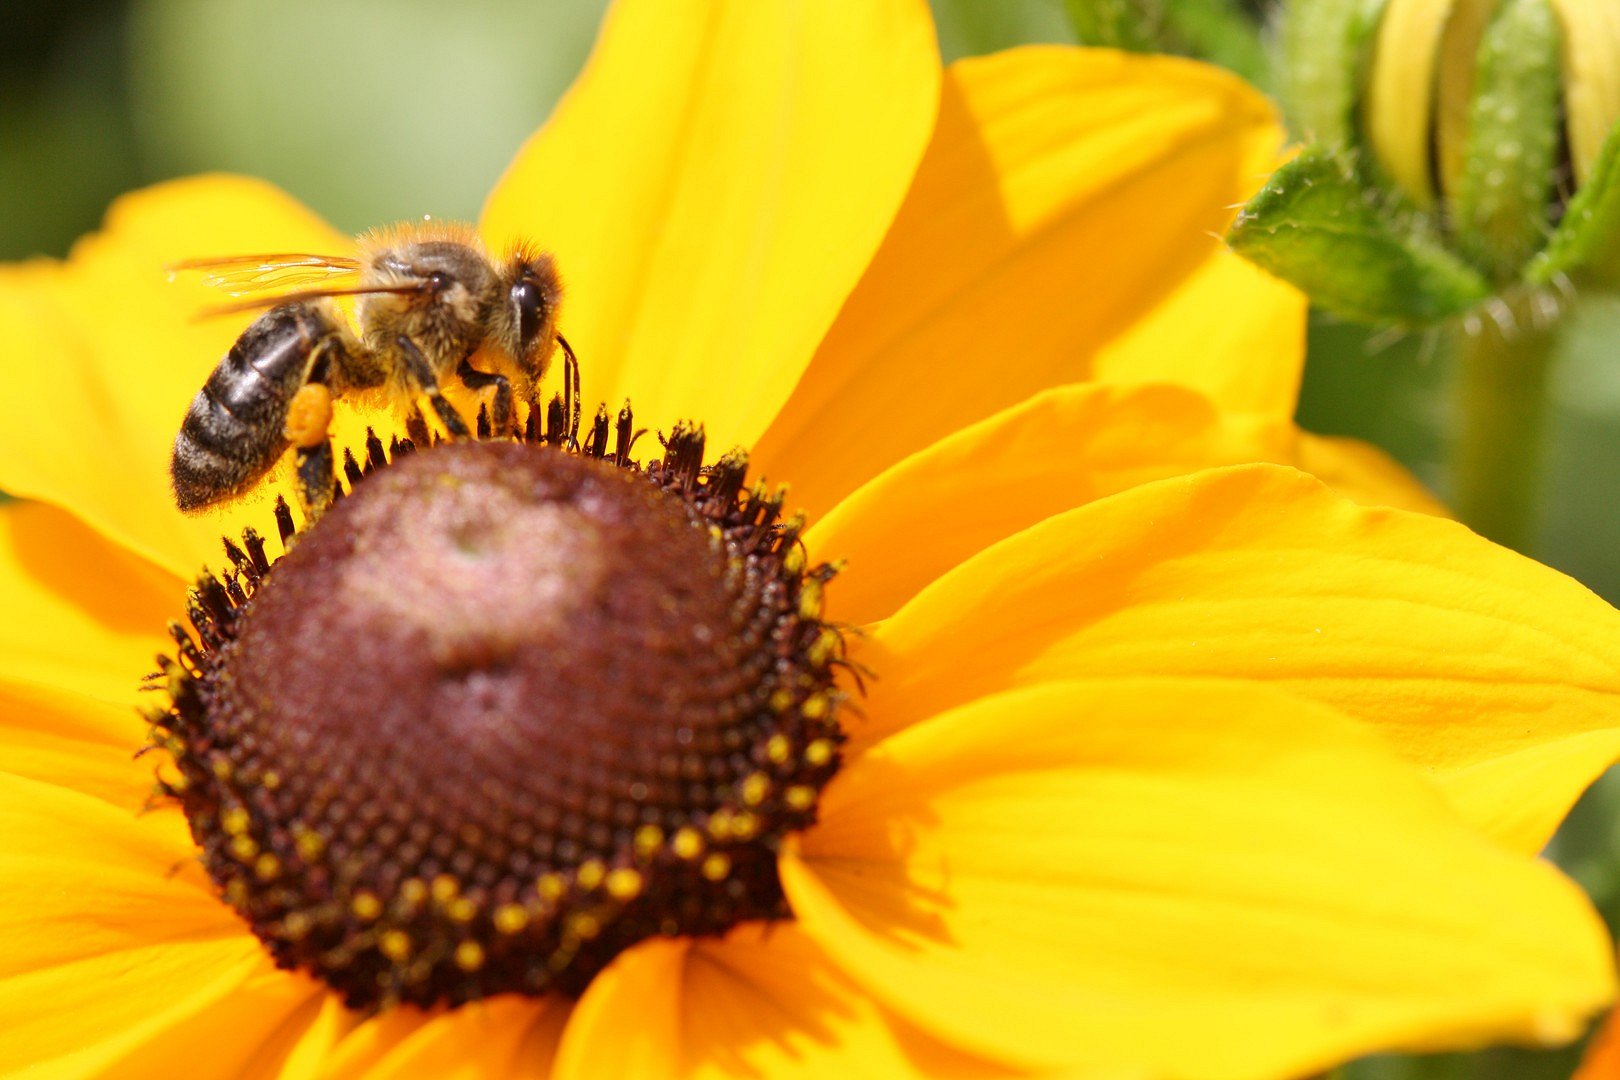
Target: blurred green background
<point x="372" y="111"/>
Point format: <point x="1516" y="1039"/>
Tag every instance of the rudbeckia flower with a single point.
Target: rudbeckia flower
<point x="1141" y="785"/>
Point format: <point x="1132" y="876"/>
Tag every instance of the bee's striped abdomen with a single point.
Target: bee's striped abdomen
<point x="232" y="434"/>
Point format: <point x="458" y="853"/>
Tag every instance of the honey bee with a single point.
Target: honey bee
<point x="430" y="300"/>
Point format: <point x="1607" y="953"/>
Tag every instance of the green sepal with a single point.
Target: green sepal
<point x="1499" y="207"/>
<point x="1326" y="45"/>
<point x="1588" y="237"/>
<point x="1358" y="252"/>
<point x="1219" y="31"/>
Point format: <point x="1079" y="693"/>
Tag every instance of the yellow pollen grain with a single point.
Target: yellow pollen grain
<point x="469" y="956"/>
<point x="510" y="918"/>
<point x="810" y="600"/>
<point x="744" y="826"/>
<point x="296" y="925"/>
<point x="755" y="787"/>
<point x="649" y="838"/>
<point x="413" y="891"/>
<point x="823" y="649"/>
<point x="234" y="820"/>
<point x="778" y="748"/>
<point x="717" y="866"/>
<point x="584" y="925"/>
<point x="445" y="889"/>
<point x="266" y="867"/>
<point x="818" y="752"/>
<point x="550" y="886"/>
<point x="271" y="779"/>
<point x="687" y="843"/>
<point x="720" y="824"/>
<point x="624" y="884"/>
<point x="394" y="944"/>
<point x="365" y="905"/>
<point x="309" y="845"/>
<point x="793" y="561"/>
<point x="590" y="873"/>
<point x="800" y="796"/>
<point x="815" y="706"/>
<point x="244" y="848"/>
<point x="461" y="909"/>
<point x="236" y="892"/>
<point x="781" y="700"/>
<point x="221" y="768"/>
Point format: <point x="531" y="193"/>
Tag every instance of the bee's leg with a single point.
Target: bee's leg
<point x="309" y="420"/>
<point x="571" y="391"/>
<point x="317" y="479"/>
<point x="500" y="413"/>
<point x="422" y="373"/>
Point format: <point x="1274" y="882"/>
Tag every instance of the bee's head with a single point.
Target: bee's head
<point x="524" y="323"/>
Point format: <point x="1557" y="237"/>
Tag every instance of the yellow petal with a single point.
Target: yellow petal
<point x="1057" y="450"/>
<point x="1591" y="31"/>
<point x="1203" y="879"/>
<point x="1248" y="362"/>
<point x="314" y="1045"/>
<point x="110" y="354"/>
<point x="75" y="742"/>
<point x="762" y="1002"/>
<point x="262" y="1030"/>
<point x="84" y="624"/>
<point x="82" y="614"/>
<point x="713" y="186"/>
<point x="136" y="1014"/>
<point x="1400" y="91"/>
<point x="1496" y="674"/>
<point x="80" y="879"/>
<point x="1455" y="68"/>
<point x="1364" y="473"/>
<point x="368" y="1042"/>
<point x="1069" y="204"/>
<point x="115" y="953"/>
<point x="508" y="1036"/>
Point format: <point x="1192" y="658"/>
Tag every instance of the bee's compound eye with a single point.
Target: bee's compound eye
<point x="526" y="295"/>
<point x="439" y="281"/>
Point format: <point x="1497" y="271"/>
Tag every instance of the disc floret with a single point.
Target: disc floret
<point x="509" y="708"/>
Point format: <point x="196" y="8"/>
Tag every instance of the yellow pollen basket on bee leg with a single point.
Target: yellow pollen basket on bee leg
<point x="309" y="416"/>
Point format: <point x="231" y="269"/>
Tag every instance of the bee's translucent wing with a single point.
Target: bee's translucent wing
<point x="253" y="303"/>
<point x="245" y="275"/>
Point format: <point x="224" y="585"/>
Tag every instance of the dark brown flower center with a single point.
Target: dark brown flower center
<point x="504" y="712"/>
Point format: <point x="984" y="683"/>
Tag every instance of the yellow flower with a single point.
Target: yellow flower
<point x="1126" y="796"/>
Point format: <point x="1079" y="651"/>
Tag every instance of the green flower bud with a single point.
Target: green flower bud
<point x="1478" y="138"/>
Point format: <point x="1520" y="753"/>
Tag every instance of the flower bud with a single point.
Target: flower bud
<point x="1477" y="137"/>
